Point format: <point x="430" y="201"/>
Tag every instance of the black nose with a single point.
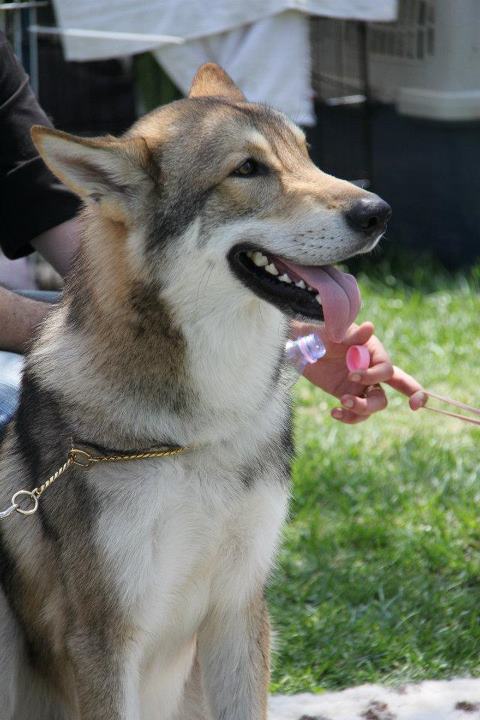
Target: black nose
<point x="369" y="215"/>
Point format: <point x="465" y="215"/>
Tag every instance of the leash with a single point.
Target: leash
<point x="85" y="460"/>
<point x="455" y="403"/>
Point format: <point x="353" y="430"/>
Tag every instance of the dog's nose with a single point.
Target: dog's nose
<point x="369" y="215"/>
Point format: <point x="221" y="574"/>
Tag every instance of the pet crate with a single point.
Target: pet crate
<point x="427" y="63"/>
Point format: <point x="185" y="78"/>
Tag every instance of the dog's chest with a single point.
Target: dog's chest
<point x="187" y="540"/>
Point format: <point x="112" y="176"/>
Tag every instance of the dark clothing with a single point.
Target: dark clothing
<point x="31" y="199"/>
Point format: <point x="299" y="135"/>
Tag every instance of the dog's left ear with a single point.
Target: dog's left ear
<point x="94" y="168"/>
<point x="211" y="81"/>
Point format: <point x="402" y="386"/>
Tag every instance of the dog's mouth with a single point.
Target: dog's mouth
<point x="313" y="293"/>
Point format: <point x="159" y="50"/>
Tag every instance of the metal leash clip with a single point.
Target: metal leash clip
<point x="15" y="507"/>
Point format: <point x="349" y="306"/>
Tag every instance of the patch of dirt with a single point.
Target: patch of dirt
<point x="467" y="707"/>
<point x="378" y="711"/>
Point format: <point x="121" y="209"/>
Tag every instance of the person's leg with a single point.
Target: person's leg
<point x="11" y="366"/>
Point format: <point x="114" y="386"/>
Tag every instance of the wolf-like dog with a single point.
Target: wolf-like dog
<point x="136" y="592"/>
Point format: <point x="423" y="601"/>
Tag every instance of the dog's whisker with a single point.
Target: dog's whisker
<point x="205" y="279"/>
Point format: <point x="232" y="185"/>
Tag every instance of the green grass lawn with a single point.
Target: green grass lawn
<point x="379" y="574"/>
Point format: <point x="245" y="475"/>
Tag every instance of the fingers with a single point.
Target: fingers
<point x="358" y="334"/>
<point x="407" y="385"/>
<point x="356" y="409"/>
<point x="375" y="401"/>
<point x="381" y="372"/>
<point x="348" y="417"/>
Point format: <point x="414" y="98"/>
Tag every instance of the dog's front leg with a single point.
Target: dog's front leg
<point x="106" y="684"/>
<point x="234" y="653"/>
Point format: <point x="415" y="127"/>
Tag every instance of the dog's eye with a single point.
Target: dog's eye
<point x="248" y="168"/>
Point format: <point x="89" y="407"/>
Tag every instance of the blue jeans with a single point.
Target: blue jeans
<point x="11" y="366"/>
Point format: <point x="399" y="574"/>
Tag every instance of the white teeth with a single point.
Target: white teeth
<point x="301" y="284"/>
<point x="318" y="299"/>
<point x="284" y="278"/>
<point x="259" y="259"/>
<point x="310" y="288"/>
<point x="271" y="269"/>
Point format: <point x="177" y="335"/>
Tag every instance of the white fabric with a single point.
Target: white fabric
<point x="269" y="60"/>
<point x="442" y="700"/>
<point x="189" y="19"/>
<point x="263" y="45"/>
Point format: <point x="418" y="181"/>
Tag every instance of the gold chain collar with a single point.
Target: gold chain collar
<point x="85" y="460"/>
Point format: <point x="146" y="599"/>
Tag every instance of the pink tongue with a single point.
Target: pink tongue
<point x="338" y="292"/>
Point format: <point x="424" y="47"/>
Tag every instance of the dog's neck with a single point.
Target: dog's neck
<point x="131" y="372"/>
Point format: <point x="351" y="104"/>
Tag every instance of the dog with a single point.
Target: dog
<point x="136" y="591"/>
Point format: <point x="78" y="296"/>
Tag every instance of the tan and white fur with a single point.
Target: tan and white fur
<point x="137" y="590"/>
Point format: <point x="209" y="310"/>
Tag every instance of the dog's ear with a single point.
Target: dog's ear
<point x="94" y="168"/>
<point x="210" y="80"/>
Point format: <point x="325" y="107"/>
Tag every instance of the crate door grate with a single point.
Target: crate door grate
<point x="336" y="49"/>
<point x="412" y="37"/>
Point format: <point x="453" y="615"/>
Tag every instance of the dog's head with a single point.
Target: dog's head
<point x="221" y="206"/>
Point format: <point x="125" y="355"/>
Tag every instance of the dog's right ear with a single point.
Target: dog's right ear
<point x="94" y="168"/>
<point x="211" y="80"/>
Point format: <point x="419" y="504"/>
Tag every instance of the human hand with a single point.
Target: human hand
<point x="359" y="391"/>
<point x="19" y="319"/>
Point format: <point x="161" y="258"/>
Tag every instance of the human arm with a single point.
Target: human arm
<point x="36" y="211"/>
<point x="19" y="318"/>
<point x="59" y="244"/>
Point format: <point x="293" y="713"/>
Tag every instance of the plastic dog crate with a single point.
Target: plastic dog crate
<point x="427" y="62"/>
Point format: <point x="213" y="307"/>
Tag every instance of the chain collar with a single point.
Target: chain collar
<point x="85" y="460"/>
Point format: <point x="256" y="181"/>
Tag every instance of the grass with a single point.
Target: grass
<point x="379" y="574"/>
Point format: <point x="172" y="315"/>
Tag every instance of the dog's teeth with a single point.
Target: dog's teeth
<point x="301" y="284"/>
<point x="310" y="288"/>
<point x="259" y="259"/>
<point x="284" y="278"/>
<point x="318" y="299"/>
<point x="271" y="269"/>
<point x="250" y="253"/>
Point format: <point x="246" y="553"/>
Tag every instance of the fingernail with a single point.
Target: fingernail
<point x="348" y="402"/>
<point x="337" y="413"/>
<point x="418" y="400"/>
<point x="355" y="377"/>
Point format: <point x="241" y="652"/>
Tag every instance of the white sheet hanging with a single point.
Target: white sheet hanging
<point x="190" y="19"/>
<point x="268" y="59"/>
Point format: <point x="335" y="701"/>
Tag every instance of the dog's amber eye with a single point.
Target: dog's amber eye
<point x="248" y="168"/>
